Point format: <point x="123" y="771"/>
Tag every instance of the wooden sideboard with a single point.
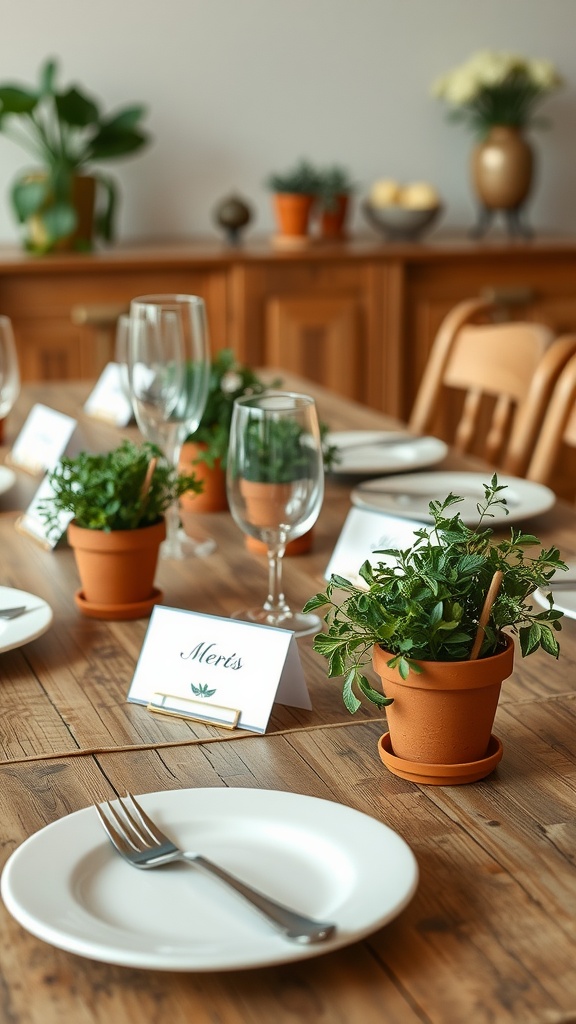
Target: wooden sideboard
<point x="357" y="316"/>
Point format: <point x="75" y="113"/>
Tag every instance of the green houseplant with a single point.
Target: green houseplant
<point x="335" y="187"/>
<point x="205" y="451"/>
<point x="294" y="193"/>
<point x="117" y="501"/>
<point x="66" y="133"/>
<point x="420" y="613"/>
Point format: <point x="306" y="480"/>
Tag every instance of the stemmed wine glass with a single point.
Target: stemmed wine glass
<point x="9" y="371"/>
<point x="275" y="485"/>
<point x="168" y="363"/>
<point x="121" y="352"/>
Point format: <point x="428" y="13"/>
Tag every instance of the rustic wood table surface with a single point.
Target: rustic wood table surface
<point x="490" y="933"/>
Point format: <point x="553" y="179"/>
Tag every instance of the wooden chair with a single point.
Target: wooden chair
<point x="505" y="374"/>
<point x="558" y="436"/>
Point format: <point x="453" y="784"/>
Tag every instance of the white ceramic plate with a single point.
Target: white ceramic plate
<point x="381" y="451"/>
<point x="564" y="597"/>
<point x="67" y="886"/>
<point x="7" y="479"/>
<point x="409" y="495"/>
<point x="35" y="620"/>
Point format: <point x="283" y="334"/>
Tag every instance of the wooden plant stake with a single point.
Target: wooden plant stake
<point x="148" y="479"/>
<point x="485" y="613"/>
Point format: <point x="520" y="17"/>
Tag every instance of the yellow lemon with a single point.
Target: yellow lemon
<point x="384" y="192"/>
<point x="418" y="195"/>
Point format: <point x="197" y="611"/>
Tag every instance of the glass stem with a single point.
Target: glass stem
<point x="172" y="547"/>
<point x="275" y="603"/>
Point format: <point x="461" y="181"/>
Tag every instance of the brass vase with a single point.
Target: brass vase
<point x="502" y="176"/>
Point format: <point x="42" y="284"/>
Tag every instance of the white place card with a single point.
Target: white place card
<point x="32" y="523"/>
<point x="218" y="671"/>
<point x="364" y="533"/>
<point x="108" y="400"/>
<point x="42" y="440"/>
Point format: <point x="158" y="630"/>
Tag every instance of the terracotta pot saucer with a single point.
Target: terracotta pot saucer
<point x="440" y="774"/>
<point x="117" y="612"/>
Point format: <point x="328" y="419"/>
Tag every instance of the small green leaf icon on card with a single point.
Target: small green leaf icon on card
<point x="202" y="690"/>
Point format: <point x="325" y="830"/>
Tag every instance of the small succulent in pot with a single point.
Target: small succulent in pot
<point x="425" y="603"/>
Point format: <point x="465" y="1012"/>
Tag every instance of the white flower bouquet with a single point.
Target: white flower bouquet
<point x="497" y="88"/>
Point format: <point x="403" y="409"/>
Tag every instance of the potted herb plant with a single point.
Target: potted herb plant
<point x="117" y="501"/>
<point x="433" y="618"/>
<point x="66" y="133"/>
<point x="294" y="192"/>
<point x="270" y="469"/>
<point x="205" y="451"/>
<point x="334" y="189"/>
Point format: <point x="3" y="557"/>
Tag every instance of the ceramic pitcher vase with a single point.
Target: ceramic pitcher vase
<point x="503" y="168"/>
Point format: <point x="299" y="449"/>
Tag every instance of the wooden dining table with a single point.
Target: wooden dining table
<point x="490" y="934"/>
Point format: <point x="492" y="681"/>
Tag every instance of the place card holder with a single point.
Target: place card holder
<point x="196" y="710"/>
<point x="26" y="531"/>
<point x="29" y="467"/>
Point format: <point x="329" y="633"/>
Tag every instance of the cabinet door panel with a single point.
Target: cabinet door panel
<point x="318" y="338"/>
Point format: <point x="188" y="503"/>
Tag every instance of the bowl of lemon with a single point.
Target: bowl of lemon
<point x="400" y="212"/>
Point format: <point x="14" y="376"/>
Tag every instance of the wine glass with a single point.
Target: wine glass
<point x="169" y="371"/>
<point x="9" y="371"/>
<point x="275" y="486"/>
<point x="121" y="352"/>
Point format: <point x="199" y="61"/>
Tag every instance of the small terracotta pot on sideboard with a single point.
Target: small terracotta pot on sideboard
<point x="213" y="497"/>
<point x="117" y="567"/>
<point x="443" y="715"/>
<point x="293" y="211"/>
<point x="333" y="221"/>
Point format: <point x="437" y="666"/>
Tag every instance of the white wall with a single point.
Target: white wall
<point x="238" y="88"/>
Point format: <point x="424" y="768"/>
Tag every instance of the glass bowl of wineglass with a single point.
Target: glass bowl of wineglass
<point x="168" y="361"/>
<point x="275" y="487"/>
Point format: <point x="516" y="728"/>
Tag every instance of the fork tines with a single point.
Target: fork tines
<point x="128" y="827"/>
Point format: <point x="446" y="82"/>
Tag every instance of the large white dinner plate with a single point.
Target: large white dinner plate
<point x="383" y="451"/>
<point x="34" y="621"/>
<point x="67" y="886"/>
<point x="410" y="494"/>
<point x="7" y="479"/>
<point x="564" y="597"/>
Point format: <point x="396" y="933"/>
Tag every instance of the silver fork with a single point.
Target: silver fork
<point x="136" y="838"/>
<point x="12" y="613"/>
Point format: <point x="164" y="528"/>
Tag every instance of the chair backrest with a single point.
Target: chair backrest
<point x="558" y="429"/>
<point x="504" y="371"/>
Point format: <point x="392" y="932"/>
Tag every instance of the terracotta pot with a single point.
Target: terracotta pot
<point x="332" y="222"/>
<point x="502" y="168"/>
<point x="265" y="502"/>
<point x="213" y="497"/>
<point x="116" y="568"/>
<point x="83" y="199"/>
<point x="293" y="211"/>
<point x="445" y="714"/>
<point x="298" y="546"/>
